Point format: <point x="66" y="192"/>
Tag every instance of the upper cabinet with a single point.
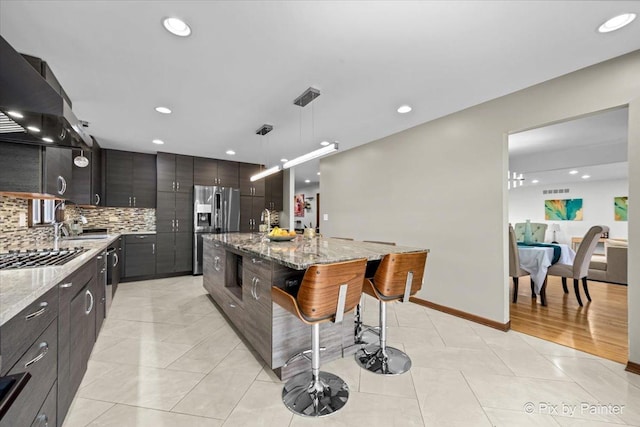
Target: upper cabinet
<point x="86" y="188"/>
<point x="215" y="172"/>
<point x="129" y="179"/>
<point x="175" y="173"/>
<point x="248" y="188"/>
<point x="274" y="191"/>
<point x="34" y="169"/>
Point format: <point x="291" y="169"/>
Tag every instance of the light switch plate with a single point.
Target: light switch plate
<point x="325" y="217"/>
<point x="22" y="219"/>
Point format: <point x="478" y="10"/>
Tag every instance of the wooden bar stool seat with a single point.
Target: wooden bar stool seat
<point x="397" y="278"/>
<point x="327" y="292"/>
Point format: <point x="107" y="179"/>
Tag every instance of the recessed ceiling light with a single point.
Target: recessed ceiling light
<point x="307" y="181"/>
<point x="617" y="22"/>
<point x="318" y="173"/>
<point x="325" y="143"/>
<point x="158" y="141"/>
<point x="176" y="26"/>
<point x="573" y="172"/>
<point x="47" y="139"/>
<point x="534" y="181"/>
<point x="163" y="110"/>
<point x="15" y="114"/>
<point x="231" y="152"/>
<point x="403" y="109"/>
<point x="586" y="176"/>
<point x="284" y="160"/>
<point x="33" y="129"/>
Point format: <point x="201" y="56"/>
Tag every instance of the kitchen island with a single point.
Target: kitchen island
<point x="239" y="270"/>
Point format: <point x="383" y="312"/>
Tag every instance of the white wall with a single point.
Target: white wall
<point x="597" y="206"/>
<point x="440" y="185"/>
<point x="309" y="215"/>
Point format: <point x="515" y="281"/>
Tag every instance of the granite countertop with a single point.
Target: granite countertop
<point x="19" y="288"/>
<point x="300" y="253"/>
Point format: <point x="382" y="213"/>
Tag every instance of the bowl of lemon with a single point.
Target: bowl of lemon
<point x="281" y="235"/>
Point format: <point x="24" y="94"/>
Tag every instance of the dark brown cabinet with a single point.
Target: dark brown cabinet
<point x="57" y="171"/>
<point x="174" y="253"/>
<point x="274" y="191"/>
<point x="86" y="182"/>
<point x="256" y="298"/>
<point x="175" y="173"/>
<point x="250" y="211"/>
<point x="215" y="172"/>
<point x="35" y="169"/>
<point x="248" y="188"/>
<point x="101" y="285"/>
<point x="139" y="255"/>
<point x="129" y="179"/>
<point x="174" y="226"/>
<point x="76" y="331"/>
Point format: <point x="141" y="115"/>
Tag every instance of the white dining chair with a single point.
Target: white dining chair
<point x="515" y="272"/>
<point x="580" y="267"/>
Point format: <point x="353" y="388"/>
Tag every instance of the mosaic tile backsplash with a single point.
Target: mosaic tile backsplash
<point x="116" y="220"/>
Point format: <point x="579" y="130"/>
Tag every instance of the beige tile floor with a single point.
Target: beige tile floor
<point x="167" y="357"/>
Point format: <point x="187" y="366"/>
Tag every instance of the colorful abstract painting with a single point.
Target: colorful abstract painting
<point x="563" y="210"/>
<point x="620" y="205"/>
<point x="298" y="205"/>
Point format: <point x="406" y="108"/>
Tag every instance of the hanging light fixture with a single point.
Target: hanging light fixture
<point x="81" y="161"/>
<point x="263" y="130"/>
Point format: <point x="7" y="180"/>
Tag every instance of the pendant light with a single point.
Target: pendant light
<point x="81" y="161"/>
<point x="265" y="129"/>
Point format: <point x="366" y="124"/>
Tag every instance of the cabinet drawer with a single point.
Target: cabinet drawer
<point x="40" y="361"/>
<point x="47" y="415"/>
<point x="258" y="266"/>
<point x="139" y="238"/>
<point x="234" y="311"/>
<point x="23" y="329"/>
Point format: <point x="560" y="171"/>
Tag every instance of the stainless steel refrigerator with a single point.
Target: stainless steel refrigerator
<point x="215" y="210"/>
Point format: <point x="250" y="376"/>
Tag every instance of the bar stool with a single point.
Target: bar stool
<point x="365" y="334"/>
<point x="327" y="292"/>
<point x="397" y="278"/>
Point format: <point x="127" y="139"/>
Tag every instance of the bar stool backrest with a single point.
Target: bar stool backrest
<point x="320" y="288"/>
<point x="391" y="276"/>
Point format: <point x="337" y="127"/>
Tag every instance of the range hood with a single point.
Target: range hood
<point x="34" y="108"/>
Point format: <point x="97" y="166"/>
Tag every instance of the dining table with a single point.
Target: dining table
<point x="537" y="258"/>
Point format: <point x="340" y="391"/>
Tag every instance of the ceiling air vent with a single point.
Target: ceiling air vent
<point x="556" y="191"/>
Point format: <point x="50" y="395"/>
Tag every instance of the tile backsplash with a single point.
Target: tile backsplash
<point x="116" y="220"/>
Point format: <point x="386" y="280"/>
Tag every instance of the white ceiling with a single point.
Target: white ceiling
<point x="594" y="145"/>
<point x="246" y="62"/>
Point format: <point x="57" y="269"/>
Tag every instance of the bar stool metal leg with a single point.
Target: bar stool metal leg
<point x="363" y="334"/>
<point x="381" y="359"/>
<point x="315" y="393"/>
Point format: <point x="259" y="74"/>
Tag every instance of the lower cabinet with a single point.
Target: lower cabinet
<point x="47" y="415"/>
<point x="76" y="331"/>
<point x="256" y="297"/>
<point x="174" y="252"/>
<point x="139" y="255"/>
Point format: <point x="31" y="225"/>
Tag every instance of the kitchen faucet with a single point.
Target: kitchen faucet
<point x="58" y="226"/>
<point x="266" y="214"/>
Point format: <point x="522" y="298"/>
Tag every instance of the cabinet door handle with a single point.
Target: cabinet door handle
<point x="177" y="225"/>
<point x="153" y="248"/>
<point x="253" y="284"/>
<point x="66" y="285"/>
<point x="91" y="301"/>
<point x="43" y="418"/>
<point x="173" y="186"/>
<point x="117" y="260"/>
<point x="43" y="308"/>
<point x="134" y="201"/>
<point x="129" y="200"/>
<point x="44" y="348"/>
<point x="173" y="225"/>
<point x="232" y="305"/>
<point x="256" y="282"/>
<point x="256" y="261"/>
<point x="97" y="199"/>
<point x="141" y="237"/>
<point x="216" y="263"/>
<point x="62" y="185"/>
<point x="177" y="186"/>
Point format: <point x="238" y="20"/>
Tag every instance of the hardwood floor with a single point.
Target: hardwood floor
<point x="600" y="327"/>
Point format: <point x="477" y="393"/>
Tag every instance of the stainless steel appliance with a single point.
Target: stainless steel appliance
<point x="215" y="210"/>
<point x="37" y="258"/>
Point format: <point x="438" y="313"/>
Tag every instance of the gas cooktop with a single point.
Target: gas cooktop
<point x="38" y="257"/>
